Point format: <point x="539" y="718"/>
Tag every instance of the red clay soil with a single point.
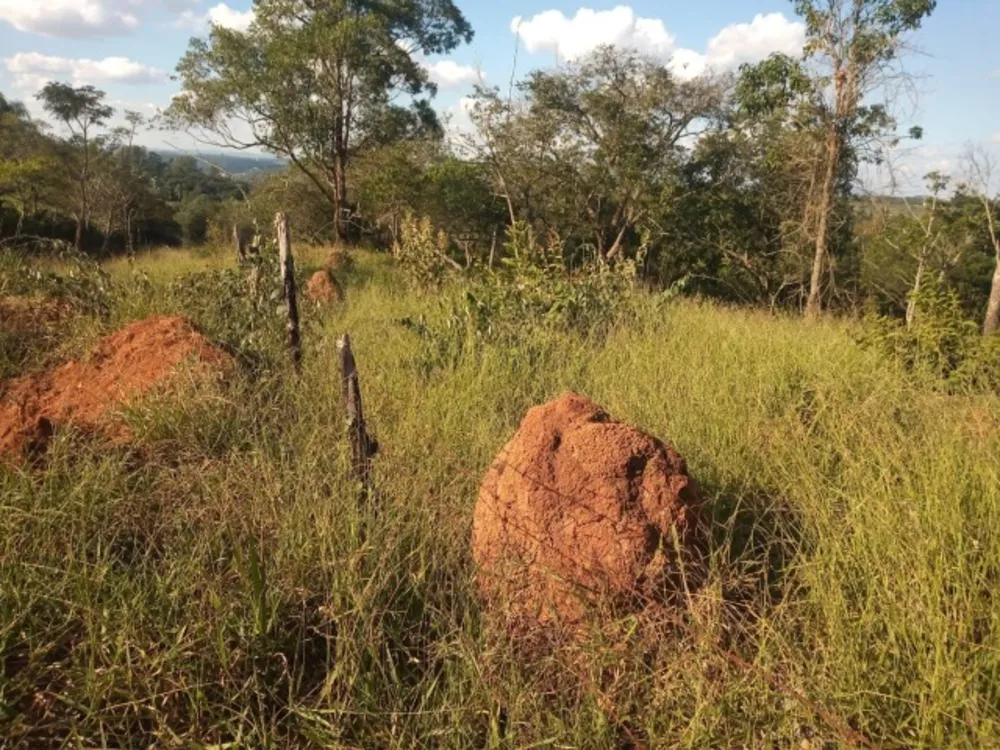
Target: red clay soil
<point x="572" y="512"/>
<point x="322" y="287"/>
<point x="131" y="362"/>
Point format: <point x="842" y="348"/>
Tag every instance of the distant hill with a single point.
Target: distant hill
<point x="235" y="165"/>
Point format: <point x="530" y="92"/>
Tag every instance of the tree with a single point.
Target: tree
<point x="24" y="158"/>
<point x="593" y="145"/>
<point x="856" y="46"/>
<point x="980" y="168"/>
<point x="81" y="110"/>
<point x="318" y="82"/>
<point x="121" y="186"/>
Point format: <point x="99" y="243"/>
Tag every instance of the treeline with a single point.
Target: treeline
<point x="90" y="185"/>
<point x="741" y="186"/>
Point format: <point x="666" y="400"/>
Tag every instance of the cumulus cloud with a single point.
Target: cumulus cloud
<point x="219" y="15"/>
<point x="448" y="74"/>
<point x="995" y="138"/>
<point x="751" y="42"/>
<point x="69" y="18"/>
<point x="572" y="38"/>
<point x="31" y="70"/>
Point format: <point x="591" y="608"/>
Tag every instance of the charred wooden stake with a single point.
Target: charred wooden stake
<point x="288" y="286"/>
<point x="363" y="447"/>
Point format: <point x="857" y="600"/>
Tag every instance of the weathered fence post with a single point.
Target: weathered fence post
<point x="288" y="285"/>
<point x="363" y="447"/>
<point x="241" y="250"/>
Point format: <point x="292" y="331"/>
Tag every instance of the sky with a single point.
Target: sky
<point x="129" y="48"/>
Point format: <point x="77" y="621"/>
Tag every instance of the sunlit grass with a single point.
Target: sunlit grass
<point x="224" y="586"/>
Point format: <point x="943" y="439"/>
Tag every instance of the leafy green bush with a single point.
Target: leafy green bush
<point x="940" y="345"/>
<point x="84" y="284"/>
<point x="422" y="251"/>
<point x="239" y="308"/>
<point x="534" y="289"/>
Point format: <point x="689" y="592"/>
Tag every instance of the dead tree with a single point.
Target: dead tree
<point x="288" y="286"/>
<point x="363" y="446"/>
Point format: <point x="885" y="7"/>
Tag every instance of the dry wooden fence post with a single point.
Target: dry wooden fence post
<point x="363" y="447"/>
<point x="241" y="250"/>
<point x="288" y="285"/>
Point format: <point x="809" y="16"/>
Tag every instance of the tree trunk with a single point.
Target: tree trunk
<point x="107" y="234"/>
<point x="814" y="304"/>
<point x="992" y="322"/>
<point x="128" y="234"/>
<point x="493" y="247"/>
<point x="78" y="239"/>
<point x="339" y="196"/>
<point x="911" y="303"/>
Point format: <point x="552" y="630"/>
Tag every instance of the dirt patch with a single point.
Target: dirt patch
<point x="129" y="363"/>
<point x="322" y="287"/>
<point x="32" y="314"/>
<point x="572" y="513"/>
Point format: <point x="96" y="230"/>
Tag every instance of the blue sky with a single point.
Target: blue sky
<point x="129" y="48"/>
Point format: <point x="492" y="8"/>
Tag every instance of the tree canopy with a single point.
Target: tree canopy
<point x="318" y="83"/>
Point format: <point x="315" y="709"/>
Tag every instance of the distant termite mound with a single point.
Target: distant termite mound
<point x="130" y="363"/>
<point x="323" y="287"/>
<point x="580" y="509"/>
<point x="339" y="260"/>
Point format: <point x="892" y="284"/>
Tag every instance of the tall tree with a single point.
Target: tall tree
<point x="24" y="158"/>
<point x="318" y="82"/>
<point x="592" y="146"/>
<point x="856" y="45"/>
<point x="82" y="110"/>
<point x="981" y="170"/>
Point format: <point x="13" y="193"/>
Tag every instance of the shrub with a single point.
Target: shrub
<point x="422" y="251"/>
<point x="940" y="345"/>
<point x="533" y="290"/>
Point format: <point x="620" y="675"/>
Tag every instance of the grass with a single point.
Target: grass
<point x="225" y="589"/>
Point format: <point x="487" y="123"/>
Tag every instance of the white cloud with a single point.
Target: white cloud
<point x="219" y="15"/>
<point x="994" y="74"/>
<point x="31" y="70"/>
<point x="995" y="138"/>
<point x="460" y="130"/>
<point x="229" y="18"/>
<point x="751" y="42"/>
<point x="572" y="38"/>
<point x="448" y="74"/>
<point x="69" y="18"/>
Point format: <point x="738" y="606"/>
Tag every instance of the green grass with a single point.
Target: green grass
<point x="222" y="585"/>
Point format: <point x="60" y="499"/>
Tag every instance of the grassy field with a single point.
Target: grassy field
<point x="222" y="587"/>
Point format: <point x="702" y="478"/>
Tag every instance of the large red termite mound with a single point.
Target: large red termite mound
<point x="579" y="509"/>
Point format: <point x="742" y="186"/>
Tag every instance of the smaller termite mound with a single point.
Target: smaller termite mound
<point x="323" y="287"/>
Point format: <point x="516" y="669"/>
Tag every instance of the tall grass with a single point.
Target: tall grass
<point x="219" y="583"/>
